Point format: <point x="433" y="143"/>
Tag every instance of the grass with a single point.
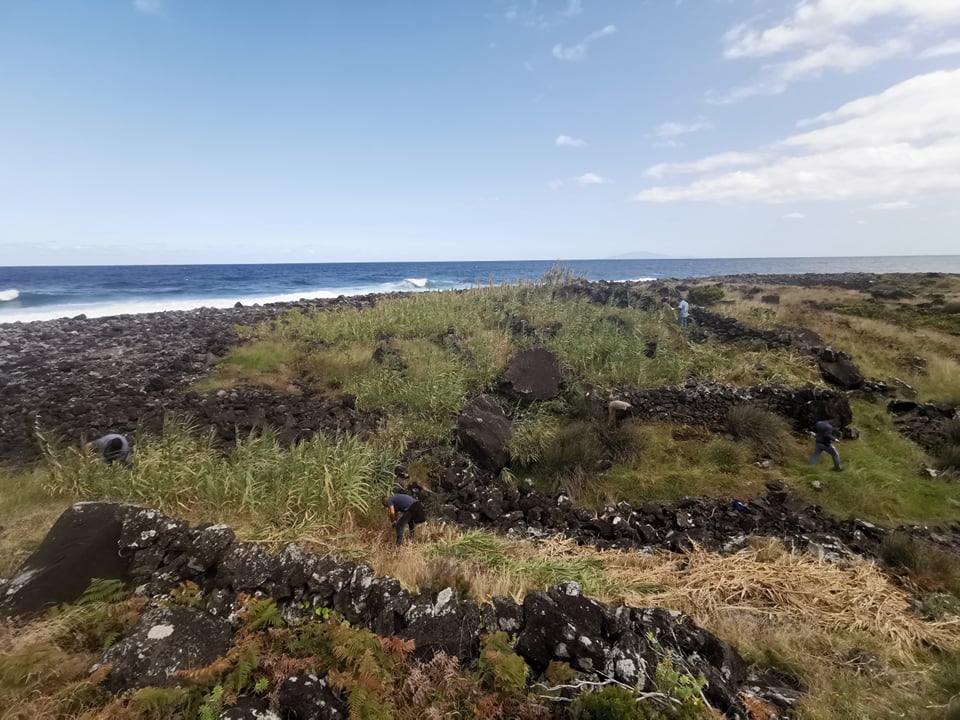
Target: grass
<point x="322" y="482"/>
<point x="448" y="347"/>
<point x="27" y="512"/>
<point x="264" y="362"/>
<point x="882" y="480"/>
<point x="676" y="462"/>
<point x="877" y="340"/>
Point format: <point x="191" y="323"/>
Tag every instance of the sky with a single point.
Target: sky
<point x="206" y="131"/>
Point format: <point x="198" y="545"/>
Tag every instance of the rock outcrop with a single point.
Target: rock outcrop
<point x="532" y="374"/>
<point x="597" y="640"/>
<point x="483" y="432"/>
<point x="79" y="376"/>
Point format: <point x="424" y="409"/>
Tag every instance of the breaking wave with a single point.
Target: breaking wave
<point x="7" y="295"/>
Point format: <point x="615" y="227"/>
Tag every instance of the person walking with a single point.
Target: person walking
<point x="113" y="448"/>
<point x="409" y="509"/>
<point x="826" y="433"/>
<point x="683" y="312"/>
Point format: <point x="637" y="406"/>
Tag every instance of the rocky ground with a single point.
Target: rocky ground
<point x="80" y="377"/>
<point x="156" y="553"/>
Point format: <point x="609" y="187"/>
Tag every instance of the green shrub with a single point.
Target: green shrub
<point x="767" y="432"/>
<point x="726" y="456"/>
<point x="949" y="458"/>
<point x="609" y="703"/>
<point x="951" y="431"/>
<point x="705" y="295"/>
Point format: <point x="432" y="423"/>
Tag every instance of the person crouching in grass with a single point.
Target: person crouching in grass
<point x="410" y="512"/>
<point x="113" y="448"/>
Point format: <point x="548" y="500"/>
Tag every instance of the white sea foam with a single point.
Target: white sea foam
<point x="133" y="307"/>
<point x="641" y="279"/>
<point x="11" y="294"/>
<point x="417" y="282"/>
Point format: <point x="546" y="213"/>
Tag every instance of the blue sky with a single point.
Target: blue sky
<point x="177" y="131"/>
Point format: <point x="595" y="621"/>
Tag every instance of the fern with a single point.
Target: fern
<point x="262" y="614"/>
<point x="103" y="591"/>
<point x="502" y="668"/>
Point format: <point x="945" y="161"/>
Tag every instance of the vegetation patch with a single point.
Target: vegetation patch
<point x="320" y="482"/>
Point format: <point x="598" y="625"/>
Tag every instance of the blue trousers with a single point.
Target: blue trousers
<point x="683" y="321"/>
<point x="829" y="450"/>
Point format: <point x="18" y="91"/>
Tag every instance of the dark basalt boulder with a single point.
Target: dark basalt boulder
<point x="446" y="624"/>
<point x="307" y="697"/>
<point x="531" y="375"/>
<point x="483" y="432"/>
<point x="246" y="567"/>
<point x="837" y="368"/>
<point x="81" y="546"/>
<point x="164" y="641"/>
<point x="249" y="708"/>
<point x="593" y="638"/>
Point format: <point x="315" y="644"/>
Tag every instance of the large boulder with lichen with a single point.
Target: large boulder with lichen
<point x="446" y="623"/>
<point x="165" y="642"/>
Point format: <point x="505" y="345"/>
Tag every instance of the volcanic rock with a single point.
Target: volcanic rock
<point x="532" y="374"/>
<point x="164" y="641"/>
<point x="484" y="431"/>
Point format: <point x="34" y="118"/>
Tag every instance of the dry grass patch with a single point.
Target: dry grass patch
<point x="875" y="344"/>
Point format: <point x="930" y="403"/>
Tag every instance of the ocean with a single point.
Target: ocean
<point x="43" y="293"/>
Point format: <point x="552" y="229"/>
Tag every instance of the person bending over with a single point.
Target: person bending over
<point x="112" y="448"/>
<point x="826" y="433"/>
<point x="409" y="509"/>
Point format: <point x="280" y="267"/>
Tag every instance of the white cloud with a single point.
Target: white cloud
<point x="708" y="164"/>
<point x="573" y="8"/>
<point x="674" y="129"/>
<point x="950" y="47"/>
<point x="590" y="179"/>
<point x="894" y="205"/>
<point x="815" y="23"/>
<point x="151" y="7"/>
<point x="555" y="184"/>
<point x="842" y="55"/>
<point x="578" y="52"/>
<point x="843" y="35"/>
<point x="901" y="143"/>
<point x="794" y="216"/>
<point x="531" y="16"/>
<point x="567" y="141"/>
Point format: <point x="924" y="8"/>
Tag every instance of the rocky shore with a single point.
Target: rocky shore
<point x="79" y="376"/>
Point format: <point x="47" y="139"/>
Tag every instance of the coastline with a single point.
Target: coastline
<point x="77" y="376"/>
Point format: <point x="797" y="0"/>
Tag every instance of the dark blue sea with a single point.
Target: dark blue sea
<point x="42" y="293"/>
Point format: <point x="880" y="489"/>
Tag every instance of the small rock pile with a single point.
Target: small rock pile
<point x="473" y="499"/>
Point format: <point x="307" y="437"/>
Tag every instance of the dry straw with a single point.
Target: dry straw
<point x="777" y="587"/>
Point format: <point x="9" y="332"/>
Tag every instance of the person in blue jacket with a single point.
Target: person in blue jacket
<point x="826" y="433"/>
<point x="409" y="510"/>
